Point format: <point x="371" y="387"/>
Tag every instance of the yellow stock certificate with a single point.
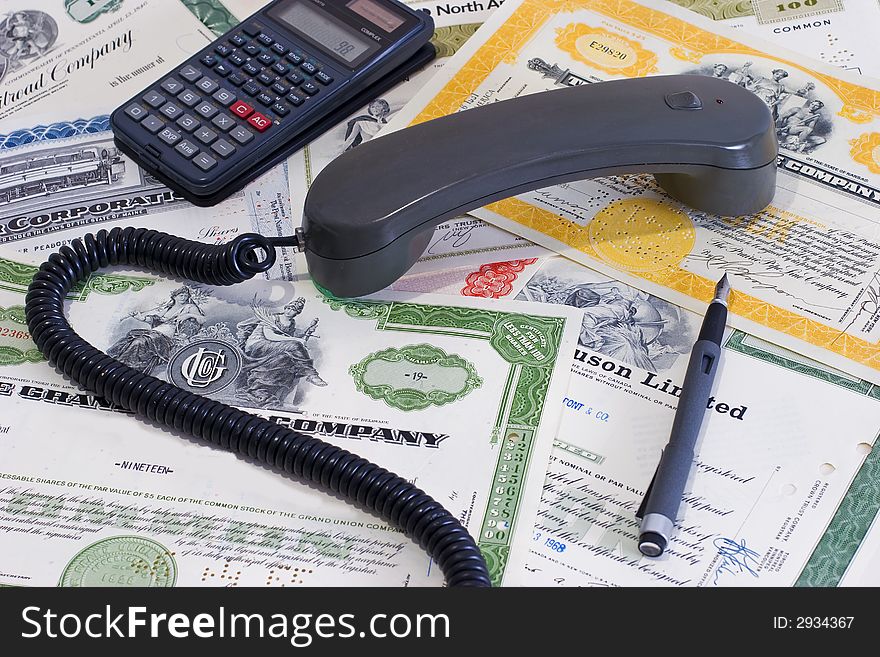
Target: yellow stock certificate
<point x="806" y="271"/>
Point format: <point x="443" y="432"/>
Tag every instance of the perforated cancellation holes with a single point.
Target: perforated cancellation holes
<point x="642" y="234"/>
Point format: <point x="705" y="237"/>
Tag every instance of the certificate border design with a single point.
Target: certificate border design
<point x="521" y="406"/>
<point x="17" y="276"/>
<point x="59" y="130"/>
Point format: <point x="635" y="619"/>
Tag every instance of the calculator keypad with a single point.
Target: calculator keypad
<point x="188" y="98"/>
<point x="224" y="97"/>
<point x="207" y="85"/>
<point x="187" y="149"/>
<point x="204" y="112"/>
<point x="188" y="122"/>
<point x="205" y="135"/>
<point x="223" y="122"/>
<point x="204" y="161"/>
<point x="154" y="99"/>
<point x="169" y="136"/>
<point x="206" y="109"/>
<point x="259" y="121"/>
<point x="152" y="124"/>
<point x="223" y="148"/>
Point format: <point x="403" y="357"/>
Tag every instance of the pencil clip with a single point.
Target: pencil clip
<point x="641" y="512"/>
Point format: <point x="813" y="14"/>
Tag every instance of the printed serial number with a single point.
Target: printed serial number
<point x="6" y="332"/>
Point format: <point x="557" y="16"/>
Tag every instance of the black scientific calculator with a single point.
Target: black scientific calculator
<point x="266" y="88"/>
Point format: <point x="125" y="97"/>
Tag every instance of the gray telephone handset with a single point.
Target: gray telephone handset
<point x="370" y="214"/>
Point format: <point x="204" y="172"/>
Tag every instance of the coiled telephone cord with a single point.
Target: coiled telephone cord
<point x="335" y="470"/>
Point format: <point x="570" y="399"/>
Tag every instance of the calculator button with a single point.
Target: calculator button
<point x="280" y="68"/>
<point x="169" y="136"/>
<point x="295" y="99"/>
<point x="265" y="39"/>
<point x="266" y="59"/>
<point x="237" y="59"/>
<point x="135" y="111"/>
<point x="251" y="88"/>
<point x="224" y="97"/>
<point x="205" y="135"/>
<point x="222" y="70"/>
<point x="310" y="88"/>
<point x="207" y="110"/>
<point x="241" y="110"/>
<point x="251" y="69"/>
<point x="259" y="121"/>
<point x="188" y="122"/>
<point x="188" y="98"/>
<point x="295" y="78"/>
<point x="190" y="73"/>
<point x="238" y="40"/>
<point x="280" y="89"/>
<point x="281" y="109"/>
<point x="223" y="148"/>
<point x="207" y="85"/>
<point x="295" y="58"/>
<point x="236" y="79"/>
<point x="154" y="99"/>
<point x="265" y="79"/>
<point x="208" y="60"/>
<point x="172" y="86"/>
<point x="222" y="49"/>
<point x="279" y="49"/>
<point x="323" y="78"/>
<point x="187" y="149"/>
<point x="252" y="29"/>
<point x="204" y="161"/>
<point x="171" y="110"/>
<point x="309" y="68"/>
<point x="241" y="134"/>
<point x="266" y="99"/>
<point x="152" y="124"/>
<point x="252" y="49"/>
<point x="224" y="122"/>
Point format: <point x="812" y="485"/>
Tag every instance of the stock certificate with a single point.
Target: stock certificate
<point x="460" y="396"/>
<point x="805" y="271"/>
<point x="770" y="500"/>
<point x="87" y="55"/>
<point x="463" y="242"/>
<point x="839" y="32"/>
<point x="490" y="280"/>
<point x="67" y="178"/>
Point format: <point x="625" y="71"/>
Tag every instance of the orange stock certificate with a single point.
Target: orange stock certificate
<point x="806" y="271"/>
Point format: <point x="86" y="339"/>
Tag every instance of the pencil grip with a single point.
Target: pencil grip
<point x="675" y="464"/>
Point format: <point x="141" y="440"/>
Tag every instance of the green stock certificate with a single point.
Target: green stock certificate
<point x="461" y="396"/>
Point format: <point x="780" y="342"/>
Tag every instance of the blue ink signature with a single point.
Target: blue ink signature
<point x="735" y="558"/>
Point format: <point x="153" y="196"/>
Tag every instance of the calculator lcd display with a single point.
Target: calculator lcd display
<point x="376" y="14"/>
<point x="340" y="41"/>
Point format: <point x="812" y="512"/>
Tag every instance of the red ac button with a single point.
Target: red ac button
<point x="259" y="121"/>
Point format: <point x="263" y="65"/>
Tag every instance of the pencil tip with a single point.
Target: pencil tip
<point x="722" y="290"/>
